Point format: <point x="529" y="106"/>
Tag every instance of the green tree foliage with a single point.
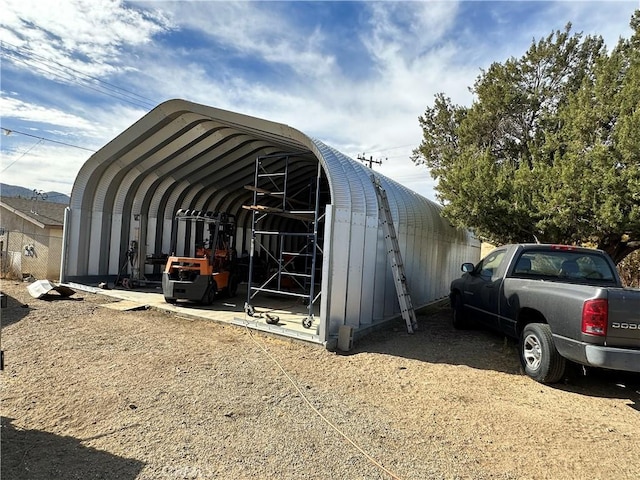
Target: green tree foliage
<point x="630" y="270"/>
<point x="549" y="149"/>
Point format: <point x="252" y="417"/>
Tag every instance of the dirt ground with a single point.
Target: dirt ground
<point x="93" y="393"/>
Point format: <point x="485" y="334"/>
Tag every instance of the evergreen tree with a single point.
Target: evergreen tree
<point x="550" y="148"/>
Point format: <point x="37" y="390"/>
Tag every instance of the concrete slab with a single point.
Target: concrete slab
<point x="290" y="311"/>
<point x="126" y="305"/>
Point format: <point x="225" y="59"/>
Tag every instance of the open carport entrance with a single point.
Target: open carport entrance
<point x="279" y="243"/>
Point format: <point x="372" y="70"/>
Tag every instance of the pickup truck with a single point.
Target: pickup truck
<point x="563" y="303"/>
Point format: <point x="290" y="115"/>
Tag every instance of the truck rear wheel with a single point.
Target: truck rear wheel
<point x="539" y="357"/>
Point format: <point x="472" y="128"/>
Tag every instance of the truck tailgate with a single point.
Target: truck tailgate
<point x="624" y="318"/>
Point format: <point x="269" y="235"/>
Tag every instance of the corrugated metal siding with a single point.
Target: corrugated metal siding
<point x="363" y="286"/>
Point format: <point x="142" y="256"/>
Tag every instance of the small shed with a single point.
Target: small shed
<point x="292" y="196"/>
<point x="31" y="237"/>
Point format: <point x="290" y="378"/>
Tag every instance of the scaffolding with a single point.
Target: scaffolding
<point x="292" y="269"/>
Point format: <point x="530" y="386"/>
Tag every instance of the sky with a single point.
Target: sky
<point x="355" y="75"/>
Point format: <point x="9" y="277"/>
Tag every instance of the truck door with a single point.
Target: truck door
<point x="482" y="289"/>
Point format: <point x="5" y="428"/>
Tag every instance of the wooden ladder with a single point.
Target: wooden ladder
<point x="393" y="251"/>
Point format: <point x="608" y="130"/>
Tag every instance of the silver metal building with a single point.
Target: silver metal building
<point x="183" y="155"/>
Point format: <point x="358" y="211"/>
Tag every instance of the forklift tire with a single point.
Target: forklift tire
<point x="232" y="288"/>
<point x="210" y="295"/>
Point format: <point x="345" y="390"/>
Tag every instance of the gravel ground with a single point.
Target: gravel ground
<point x="93" y="393"/>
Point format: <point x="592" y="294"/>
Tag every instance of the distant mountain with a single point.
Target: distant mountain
<point x="22" y="192"/>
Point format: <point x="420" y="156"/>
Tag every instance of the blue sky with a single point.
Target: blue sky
<point x="355" y="75"/>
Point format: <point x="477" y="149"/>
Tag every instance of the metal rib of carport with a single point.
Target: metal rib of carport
<point x="180" y="154"/>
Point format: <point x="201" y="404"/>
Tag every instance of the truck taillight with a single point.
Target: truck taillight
<point x="595" y="317"/>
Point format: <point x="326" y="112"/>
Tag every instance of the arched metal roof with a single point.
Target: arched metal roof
<point x="186" y="155"/>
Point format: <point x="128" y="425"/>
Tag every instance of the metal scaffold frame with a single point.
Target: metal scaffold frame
<point x="271" y="181"/>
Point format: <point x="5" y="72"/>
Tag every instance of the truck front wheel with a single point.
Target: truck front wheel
<point x="460" y="319"/>
<point x="539" y="357"/>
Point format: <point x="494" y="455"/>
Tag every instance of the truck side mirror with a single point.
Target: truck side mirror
<point x="467" y="267"/>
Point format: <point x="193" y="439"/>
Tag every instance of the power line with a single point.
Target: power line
<point x="8" y="131"/>
<point x="42" y="59"/>
<point x="63" y="76"/>
<point x="74" y="76"/>
<point x="370" y="160"/>
<point x="23" y="154"/>
<point x="391" y="157"/>
<point x="51" y="71"/>
<point x="378" y="151"/>
<point x="395" y="148"/>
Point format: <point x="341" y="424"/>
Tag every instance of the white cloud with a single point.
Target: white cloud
<point x="260" y="31"/>
<point x="33" y="159"/>
<point x="406" y="30"/>
<point x="92" y="129"/>
<point x="86" y="35"/>
<point x="14" y="108"/>
<point x="352" y="115"/>
<point x="37" y="164"/>
<point x="412" y="50"/>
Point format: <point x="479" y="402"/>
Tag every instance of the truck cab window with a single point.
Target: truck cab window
<point x="490" y="264"/>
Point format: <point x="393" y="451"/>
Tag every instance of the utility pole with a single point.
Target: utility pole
<point x="370" y="160"/>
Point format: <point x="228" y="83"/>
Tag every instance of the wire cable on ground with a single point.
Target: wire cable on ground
<point x="316" y="411"/>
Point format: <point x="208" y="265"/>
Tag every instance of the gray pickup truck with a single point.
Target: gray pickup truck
<point x="561" y="303"/>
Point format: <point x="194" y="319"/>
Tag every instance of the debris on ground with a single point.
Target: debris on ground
<point x="43" y="290"/>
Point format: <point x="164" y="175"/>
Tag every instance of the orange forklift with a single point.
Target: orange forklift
<point x="212" y="271"/>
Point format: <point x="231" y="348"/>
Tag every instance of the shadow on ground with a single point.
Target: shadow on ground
<point x="14" y="312"/>
<point x="36" y="455"/>
<point x="436" y="341"/>
<point x="594" y="382"/>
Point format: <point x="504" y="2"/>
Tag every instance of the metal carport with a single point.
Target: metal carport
<point x="187" y="155"/>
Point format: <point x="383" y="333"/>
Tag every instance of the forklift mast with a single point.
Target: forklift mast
<point x="212" y="271"/>
<point x="221" y="228"/>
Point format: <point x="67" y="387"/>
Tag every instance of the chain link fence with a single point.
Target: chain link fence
<point x="32" y="256"/>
